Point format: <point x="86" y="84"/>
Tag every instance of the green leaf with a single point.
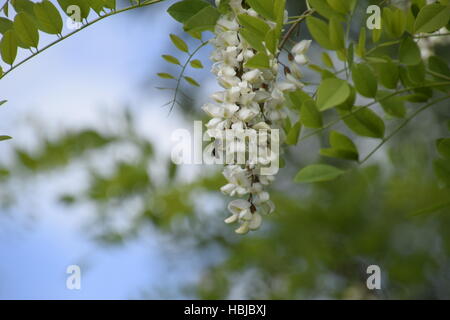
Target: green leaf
<point x="110" y="4"/>
<point x="5" y="25"/>
<point x="409" y="52"/>
<point x="318" y="173"/>
<point x="438" y="65"/>
<point x="394" y="105"/>
<point x="340" y="141"/>
<point x="191" y="81"/>
<point x="342" y="6"/>
<point x="48" y="18"/>
<point x="26" y="29"/>
<point x="96" y="5"/>
<point x="364" y="80"/>
<point x="388" y="73"/>
<point x="258" y="61"/>
<point x="298" y="98"/>
<point x="197" y="64"/>
<point x="336" y="33"/>
<point x="3" y="138"/>
<point x="165" y="75"/>
<point x="350" y="55"/>
<point x="350" y="102"/>
<point x="2" y="102"/>
<point x="179" y="43"/>
<point x="376" y="35"/>
<point x="255" y="41"/>
<point x="320" y="32"/>
<point x="361" y="47"/>
<point x="394" y="21"/>
<point x="271" y="41"/>
<point x="416" y="73"/>
<point x="255" y="25"/>
<point x="294" y="134"/>
<point x="332" y="92"/>
<point x="279" y="9"/>
<point x="171" y="59"/>
<point x="325" y="10"/>
<point x="310" y="116"/>
<point x="342" y="147"/>
<point x="204" y="20"/>
<point x="23" y="6"/>
<point x="224" y="6"/>
<point x="431" y="18"/>
<point x="184" y="10"/>
<point x="443" y="146"/>
<point x="327" y="60"/>
<point x="364" y="122"/>
<point x="8" y="47"/>
<point x="264" y="7"/>
<point x="442" y="170"/>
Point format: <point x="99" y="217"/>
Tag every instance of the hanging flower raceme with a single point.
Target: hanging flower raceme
<point x="252" y="99"/>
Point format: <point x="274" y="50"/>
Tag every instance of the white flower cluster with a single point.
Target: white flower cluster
<point x="427" y="44"/>
<point x="251" y="99"/>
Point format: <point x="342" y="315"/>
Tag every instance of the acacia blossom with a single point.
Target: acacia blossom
<point x="252" y="99"/>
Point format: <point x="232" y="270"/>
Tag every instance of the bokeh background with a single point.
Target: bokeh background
<point x="87" y="180"/>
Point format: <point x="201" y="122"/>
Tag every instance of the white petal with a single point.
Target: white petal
<point x="243" y="229"/>
<point x="256" y="221"/>
<point x="231" y="219"/>
<point x="301" y="47"/>
<point x="301" y="59"/>
<point x="238" y="205"/>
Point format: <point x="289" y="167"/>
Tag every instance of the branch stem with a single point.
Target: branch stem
<point x="109" y="14"/>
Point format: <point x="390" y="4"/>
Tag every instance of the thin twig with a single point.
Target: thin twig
<point x="183" y="69"/>
<point x="401" y="126"/>
<point x="294" y="26"/>
<point x="109" y="14"/>
<point x="332" y="123"/>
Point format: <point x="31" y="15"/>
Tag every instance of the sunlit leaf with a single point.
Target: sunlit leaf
<point x="171" y="59"/>
<point x="204" y="20"/>
<point x="182" y="11"/>
<point x="294" y="133"/>
<point x="191" y="81"/>
<point x="318" y="173"/>
<point x="394" y="105"/>
<point x="26" y="29"/>
<point x="8" y="47"/>
<point x="5" y="25"/>
<point x="310" y="116"/>
<point x="264" y="7"/>
<point x="432" y="17"/>
<point x="197" y="64"/>
<point x="258" y="61"/>
<point x="48" y="17"/>
<point x="332" y="92"/>
<point x="165" y="75"/>
<point x="179" y="43"/>
<point x="364" y="80"/>
<point x="409" y="53"/>
<point x="364" y="122"/>
<point x="3" y="138"/>
<point x="320" y="32"/>
<point x="341" y="147"/>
